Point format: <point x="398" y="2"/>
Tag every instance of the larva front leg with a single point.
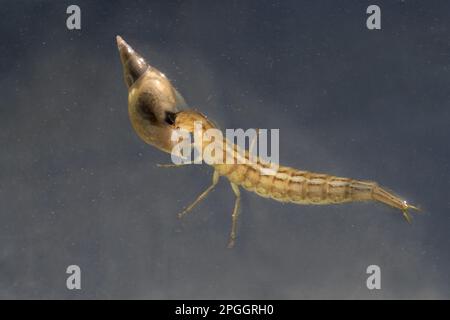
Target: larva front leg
<point x="171" y="165"/>
<point x="198" y="158"/>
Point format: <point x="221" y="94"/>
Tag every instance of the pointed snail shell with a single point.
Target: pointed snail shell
<point x="152" y="100"/>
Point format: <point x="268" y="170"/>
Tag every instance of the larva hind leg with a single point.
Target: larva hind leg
<point x="202" y="196"/>
<point x="235" y="215"/>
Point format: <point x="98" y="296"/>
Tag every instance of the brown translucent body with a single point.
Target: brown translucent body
<point x="292" y="185"/>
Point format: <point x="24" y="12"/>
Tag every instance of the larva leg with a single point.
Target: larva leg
<point x="235" y="215"/>
<point x="202" y="196"/>
<point x="253" y="142"/>
<point x="172" y="165"/>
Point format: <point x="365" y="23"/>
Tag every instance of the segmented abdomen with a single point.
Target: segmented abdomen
<point x="291" y="185"/>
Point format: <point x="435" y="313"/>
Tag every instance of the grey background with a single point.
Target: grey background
<point x="77" y="186"/>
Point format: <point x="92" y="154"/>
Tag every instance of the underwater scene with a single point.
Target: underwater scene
<point x="225" y="150"/>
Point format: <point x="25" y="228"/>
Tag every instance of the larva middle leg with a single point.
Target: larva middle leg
<point x="203" y="195"/>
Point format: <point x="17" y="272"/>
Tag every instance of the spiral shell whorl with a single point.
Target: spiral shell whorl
<point x="134" y="66"/>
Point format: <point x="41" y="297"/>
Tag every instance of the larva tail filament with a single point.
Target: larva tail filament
<point x="386" y="197"/>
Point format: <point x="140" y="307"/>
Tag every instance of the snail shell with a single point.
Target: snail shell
<point x="152" y="100"/>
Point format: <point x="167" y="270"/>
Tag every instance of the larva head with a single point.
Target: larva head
<point x="152" y="100"/>
<point x="190" y="120"/>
